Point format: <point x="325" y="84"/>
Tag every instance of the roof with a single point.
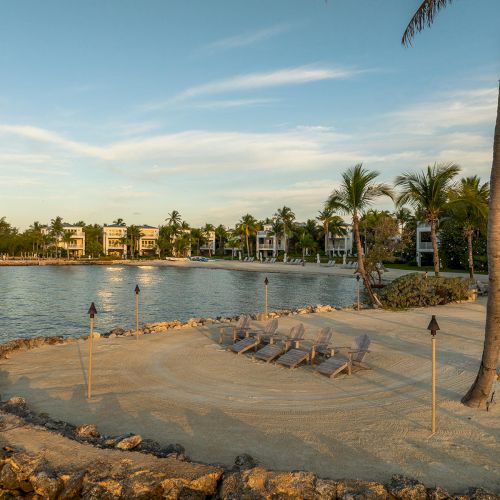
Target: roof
<point x="145" y="226"/>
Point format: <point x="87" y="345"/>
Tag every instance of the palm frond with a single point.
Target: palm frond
<point x="424" y="17"/>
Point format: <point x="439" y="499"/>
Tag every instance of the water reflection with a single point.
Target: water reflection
<point x="54" y="300"/>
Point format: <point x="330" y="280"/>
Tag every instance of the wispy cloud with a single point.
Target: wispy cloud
<point x="233" y="103"/>
<point x="254" y="81"/>
<point x="246" y="39"/>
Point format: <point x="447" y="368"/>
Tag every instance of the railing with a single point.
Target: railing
<point x="424" y="245"/>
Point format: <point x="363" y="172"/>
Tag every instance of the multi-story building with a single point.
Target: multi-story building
<point x="338" y="244"/>
<point x="269" y="244"/>
<point x="209" y="243"/>
<point x="76" y="246"/>
<point x="424" y="243"/>
<point x="147" y="244"/>
<point x="114" y="240"/>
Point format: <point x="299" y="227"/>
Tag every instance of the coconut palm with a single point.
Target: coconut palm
<point x="481" y="388"/>
<point x="221" y="233"/>
<point x="469" y="206"/>
<point x="332" y="224"/>
<point x="247" y="226"/>
<point x="133" y="235"/>
<point x="207" y="231"/>
<point x="234" y="244"/>
<point x="305" y="241"/>
<point x="56" y="230"/>
<point x="428" y="191"/>
<point x="196" y="236"/>
<point x="117" y="222"/>
<point x="174" y="218"/>
<point x="355" y="194"/>
<point x="66" y="238"/>
<point x="287" y="218"/>
<point x="403" y="216"/>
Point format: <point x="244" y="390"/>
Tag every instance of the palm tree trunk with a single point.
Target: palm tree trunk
<point x="361" y="263"/>
<point x="248" y="244"/>
<point x="435" y="247"/>
<point x="478" y="394"/>
<point x="470" y="255"/>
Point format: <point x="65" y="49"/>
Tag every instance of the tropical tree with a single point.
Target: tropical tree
<point x="480" y="390"/>
<point x="196" y="236"/>
<point x="356" y="193"/>
<point x="331" y="223"/>
<point x="287" y="218"/>
<point x="222" y="234"/>
<point x="56" y="230"/>
<point x="133" y="235"/>
<point x="403" y="216"/>
<point x="207" y="231"/>
<point x="174" y="218"/>
<point x="234" y="244"/>
<point x="66" y="238"/>
<point x="119" y="222"/>
<point x="428" y="191"/>
<point x="469" y="207"/>
<point x="247" y="227"/>
<point x="305" y="241"/>
<point x="276" y="230"/>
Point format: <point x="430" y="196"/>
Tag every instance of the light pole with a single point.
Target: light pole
<point x="266" y="283"/>
<point x="92" y="312"/>
<point x="358" y="277"/>
<point x="137" y="290"/>
<point x="433" y="327"/>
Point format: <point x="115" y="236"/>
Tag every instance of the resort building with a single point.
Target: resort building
<point x="269" y="244"/>
<point x="209" y="244"/>
<point x="147" y="244"/>
<point x="424" y="249"/>
<point x="338" y="244"/>
<point x="114" y="240"/>
<point x="76" y="246"/>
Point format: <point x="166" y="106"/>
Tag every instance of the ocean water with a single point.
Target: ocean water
<point x="54" y="300"/>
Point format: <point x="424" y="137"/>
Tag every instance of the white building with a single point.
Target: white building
<point x="209" y="243"/>
<point x="76" y="247"/>
<point x="337" y="244"/>
<point x="147" y="244"/>
<point x="424" y="242"/>
<point x="113" y="240"/>
<point x="269" y="244"/>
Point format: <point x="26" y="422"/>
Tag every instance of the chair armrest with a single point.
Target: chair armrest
<point x="358" y="350"/>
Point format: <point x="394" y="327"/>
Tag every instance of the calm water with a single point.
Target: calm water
<point x="54" y="300"/>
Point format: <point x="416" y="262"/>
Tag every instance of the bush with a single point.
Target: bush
<point x="417" y="290"/>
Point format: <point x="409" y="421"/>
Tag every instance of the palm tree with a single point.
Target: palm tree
<point x="305" y="241"/>
<point x="133" y="235"/>
<point x="469" y="206"/>
<point x="221" y="233"/>
<point x="196" y="235"/>
<point x="428" y="191"/>
<point x="118" y="222"/>
<point x="247" y="226"/>
<point x="174" y="218"/>
<point x="207" y="231"/>
<point x="287" y="218"/>
<point x="356" y="192"/>
<point x="403" y="216"/>
<point x="481" y="388"/>
<point x="233" y="244"/>
<point x="57" y="229"/>
<point x="66" y="239"/>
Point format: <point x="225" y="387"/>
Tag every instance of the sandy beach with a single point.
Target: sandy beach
<point x="183" y="387"/>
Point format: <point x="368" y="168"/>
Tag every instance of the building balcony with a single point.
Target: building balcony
<point x="424" y="246"/>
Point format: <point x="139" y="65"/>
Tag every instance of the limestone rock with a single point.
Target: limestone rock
<point x="129" y="443"/>
<point x="16" y="401"/>
<point x="405" y="488"/>
<point x="244" y="461"/>
<point x="46" y="484"/>
<point x="366" y="490"/>
<point x="437" y="493"/>
<point x="87" y="431"/>
<point x="71" y="485"/>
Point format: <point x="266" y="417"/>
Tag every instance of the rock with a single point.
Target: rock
<point x="16" y="401"/>
<point x="480" y="494"/>
<point x="71" y="485"/>
<point x="96" y="335"/>
<point x="326" y="489"/>
<point x="244" y="461"/>
<point x="112" y="336"/>
<point x="87" y="431"/>
<point x="129" y="443"/>
<point x="405" y="488"/>
<point x="46" y="484"/>
<point x="437" y="493"/>
<point x="357" y="489"/>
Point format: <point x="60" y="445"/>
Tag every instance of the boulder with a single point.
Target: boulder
<point x="16" y="401"/>
<point x="366" y="490"/>
<point x="72" y="485"/>
<point x="129" y="443"/>
<point x="405" y="488"/>
<point x="87" y="431"/>
<point x="244" y="462"/>
<point x="46" y="484"/>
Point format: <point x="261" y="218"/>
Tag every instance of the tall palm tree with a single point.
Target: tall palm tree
<point x="207" y="231"/>
<point x="57" y="229"/>
<point x="222" y="234"/>
<point x="66" y="238"/>
<point x="174" y="218"/>
<point x="133" y="234"/>
<point x="196" y="236"/>
<point x="428" y="192"/>
<point x="286" y="216"/>
<point x="356" y="193"/>
<point x="469" y="206"/>
<point x="403" y="216"/>
<point x="247" y="226"/>
<point x="118" y="222"/>
<point x="481" y="388"/>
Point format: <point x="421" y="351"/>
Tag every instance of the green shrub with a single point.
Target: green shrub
<point x="418" y="290"/>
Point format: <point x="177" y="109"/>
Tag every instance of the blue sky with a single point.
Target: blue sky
<point x="131" y="109"/>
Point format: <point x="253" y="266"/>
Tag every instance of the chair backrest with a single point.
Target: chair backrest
<point x="243" y="322"/>
<point x="297" y="332"/>
<point x="480" y="286"/>
<point x="361" y="343"/>
<point x="271" y="327"/>
<point x="324" y="336"/>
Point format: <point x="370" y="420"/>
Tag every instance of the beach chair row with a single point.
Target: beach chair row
<point x="290" y="351"/>
<point x="331" y="263"/>
<point x="294" y="262"/>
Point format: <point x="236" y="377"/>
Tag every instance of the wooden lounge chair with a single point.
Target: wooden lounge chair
<point x="241" y="328"/>
<point x="482" y="288"/>
<point x="355" y="358"/>
<point x="246" y="344"/>
<point x="268" y="333"/>
<point x="272" y="351"/>
<point x="294" y="357"/>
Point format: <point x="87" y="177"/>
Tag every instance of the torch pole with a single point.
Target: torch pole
<point x="91" y="337"/>
<point x="433" y="340"/>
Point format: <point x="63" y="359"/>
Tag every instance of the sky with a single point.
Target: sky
<point x="123" y="109"/>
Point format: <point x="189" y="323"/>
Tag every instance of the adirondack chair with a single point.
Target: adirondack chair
<point x="256" y="337"/>
<point x="355" y="358"/>
<point x="482" y="288"/>
<point x="294" y="357"/>
<point x="272" y="351"/>
<point x="242" y="327"/>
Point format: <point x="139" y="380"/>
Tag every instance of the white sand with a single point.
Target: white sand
<point x="182" y="387"/>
